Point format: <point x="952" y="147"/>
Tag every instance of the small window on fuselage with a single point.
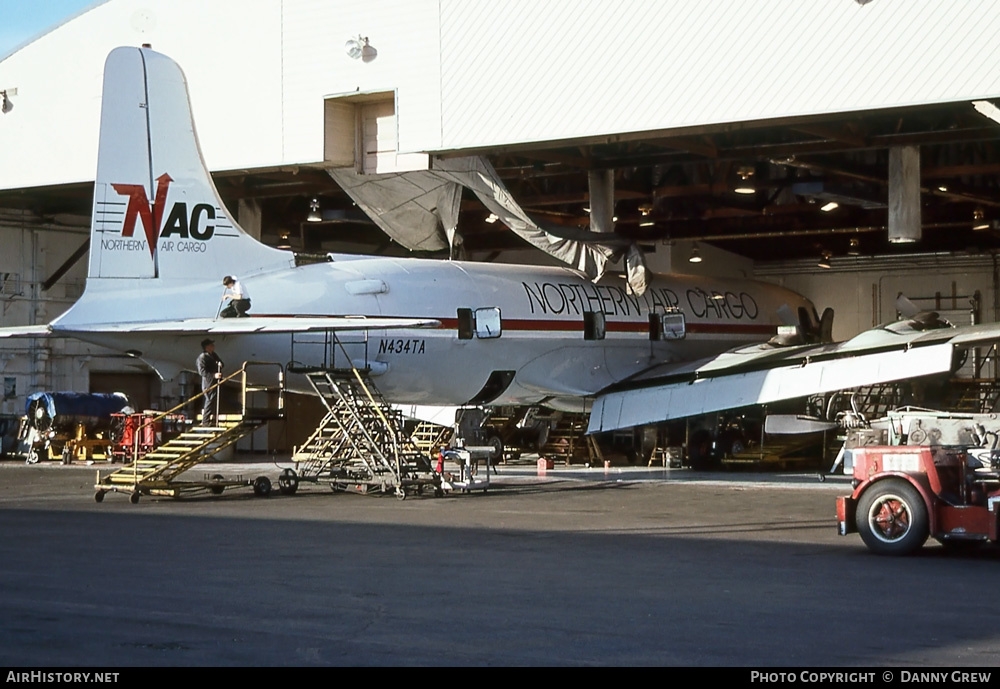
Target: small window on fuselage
<point x="669" y="325"/>
<point x="593" y="325"/>
<point x="487" y="322"/>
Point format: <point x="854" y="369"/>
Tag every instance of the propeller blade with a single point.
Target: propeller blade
<point x="787" y="316"/>
<point x="906" y="307"/>
<point x="826" y="326"/>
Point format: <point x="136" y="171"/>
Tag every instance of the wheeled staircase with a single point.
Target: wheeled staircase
<point x="360" y="444"/>
<point x="158" y="471"/>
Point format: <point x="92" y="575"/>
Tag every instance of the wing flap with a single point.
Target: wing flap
<point x="654" y="402"/>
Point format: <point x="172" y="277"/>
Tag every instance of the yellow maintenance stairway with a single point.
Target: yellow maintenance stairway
<point x="159" y="472"/>
<point x="360" y="445"/>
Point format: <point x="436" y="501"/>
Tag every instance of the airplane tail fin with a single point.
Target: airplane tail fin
<point x="157" y="214"/>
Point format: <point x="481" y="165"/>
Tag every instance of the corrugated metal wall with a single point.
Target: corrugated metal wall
<point x="520" y="70"/>
<point x="483" y="73"/>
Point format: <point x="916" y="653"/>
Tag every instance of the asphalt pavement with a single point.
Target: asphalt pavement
<point x="577" y="567"/>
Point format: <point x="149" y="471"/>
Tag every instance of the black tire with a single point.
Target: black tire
<point x="496" y="454"/>
<point x="217" y="490"/>
<point x="262" y="486"/>
<point x="134" y="498"/>
<point x="99" y="496"/>
<point x="288" y="482"/>
<point x="892" y="518"/>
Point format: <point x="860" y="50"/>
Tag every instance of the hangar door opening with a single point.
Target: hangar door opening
<point x="142" y="389"/>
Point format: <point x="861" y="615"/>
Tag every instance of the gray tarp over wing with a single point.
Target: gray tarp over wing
<point x="420" y="211"/>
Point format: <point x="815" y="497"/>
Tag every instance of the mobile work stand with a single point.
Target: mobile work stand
<point x="360" y="444"/>
<point x="158" y="471"/>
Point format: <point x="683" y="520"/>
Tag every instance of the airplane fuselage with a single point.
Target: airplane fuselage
<point x="509" y="334"/>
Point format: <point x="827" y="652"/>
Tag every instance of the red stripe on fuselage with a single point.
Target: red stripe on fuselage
<point x="552" y="325"/>
<point x="555" y="325"/>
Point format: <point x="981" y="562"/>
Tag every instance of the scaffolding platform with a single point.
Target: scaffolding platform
<point x="360" y="445"/>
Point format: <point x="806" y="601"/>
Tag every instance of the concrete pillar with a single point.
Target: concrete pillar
<point x="904" y="194"/>
<point x="602" y="200"/>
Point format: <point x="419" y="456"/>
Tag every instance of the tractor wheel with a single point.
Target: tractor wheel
<point x="262" y="486"/>
<point x="892" y="518"/>
<point x="288" y="482"/>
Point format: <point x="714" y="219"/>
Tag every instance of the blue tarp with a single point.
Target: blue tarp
<point x="97" y="404"/>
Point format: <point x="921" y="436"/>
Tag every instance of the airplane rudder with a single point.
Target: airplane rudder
<point x="157" y="212"/>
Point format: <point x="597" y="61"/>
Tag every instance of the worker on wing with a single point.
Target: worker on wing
<point x="237" y="296"/>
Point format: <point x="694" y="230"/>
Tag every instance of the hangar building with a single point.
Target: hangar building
<point x="721" y="127"/>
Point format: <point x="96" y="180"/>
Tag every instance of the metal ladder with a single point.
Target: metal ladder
<point x="360" y="444"/>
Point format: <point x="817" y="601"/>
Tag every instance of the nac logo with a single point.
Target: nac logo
<point x="179" y="224"/>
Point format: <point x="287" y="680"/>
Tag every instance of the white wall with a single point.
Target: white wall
<point x="521" y="70"/>
<point x="405" y="36"/>
<point x="231" y="54"/>
<point x="490" y="72"/>
<point x="863" y="291"/>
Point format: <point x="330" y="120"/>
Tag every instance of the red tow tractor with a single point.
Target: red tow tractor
<point x="905" y="493"/>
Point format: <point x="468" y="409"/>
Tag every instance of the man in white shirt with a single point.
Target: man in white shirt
<point x="237" y="296"/>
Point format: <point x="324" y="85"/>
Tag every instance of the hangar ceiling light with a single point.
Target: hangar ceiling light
<point x="314" y="214"/>
<point x="745" y="185"/>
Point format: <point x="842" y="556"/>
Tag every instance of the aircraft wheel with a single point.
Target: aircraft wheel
<point x="32" y="457"/>
<point x="496" y="453"/>
<point x="217" y="490"/>
<point x="134" y="497"/>
<point x="288" y="482"/>
<point x="892" y="518"/>
<point x="99" y="496"/>
<point x="262" y="486"/>
<point x="400" y="493"/>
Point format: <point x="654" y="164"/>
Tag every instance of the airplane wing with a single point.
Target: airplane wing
<point x="761" y="374"/>
<point x="228" y="326"/>
<point x="26" y="331"/>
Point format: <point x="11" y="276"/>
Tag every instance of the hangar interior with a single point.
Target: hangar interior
<point x="850" y="208"/>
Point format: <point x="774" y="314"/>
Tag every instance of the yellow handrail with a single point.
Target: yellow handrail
<point x="242" y="371"/>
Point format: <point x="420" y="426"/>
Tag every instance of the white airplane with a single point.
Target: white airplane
<point x="431" y="332"/>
